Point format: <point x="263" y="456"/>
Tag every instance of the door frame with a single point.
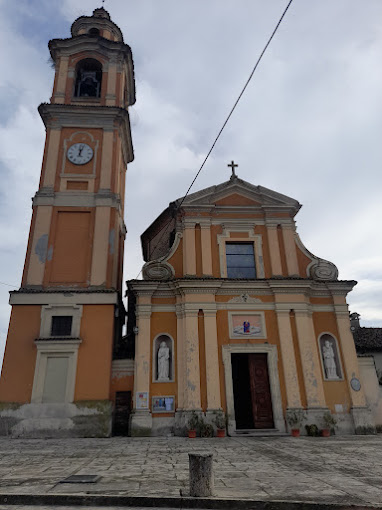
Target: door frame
<point x="274" y="381"/>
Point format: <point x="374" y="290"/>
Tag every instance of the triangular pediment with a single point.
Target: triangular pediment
<point x="239" y="193"/>
<point x="237" y="199"/>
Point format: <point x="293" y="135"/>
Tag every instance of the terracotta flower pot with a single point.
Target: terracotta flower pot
<point x="325" y="432"/>
<point x="192" y="433"/>
<point x="220" y="433"/>
<point x="295" y="432"/>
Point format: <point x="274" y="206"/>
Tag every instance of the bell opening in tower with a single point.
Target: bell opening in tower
<point x="88" y="78"/>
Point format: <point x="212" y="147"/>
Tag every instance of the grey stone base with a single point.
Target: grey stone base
<point x="163" y="426"/>
<point x="80" y="419"/>
<point x="314" y="415"/>
<point x="141" y="423"/>
<point x="345" y="424"/>
<point x="182" y="417"/>
<point x="363" y="420"/>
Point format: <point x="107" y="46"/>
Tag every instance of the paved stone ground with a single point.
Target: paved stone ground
<point x="345" y="470"/>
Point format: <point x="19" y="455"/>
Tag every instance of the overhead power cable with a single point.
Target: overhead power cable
<point x="228" y="117"/>
<point x="9" y="285"/>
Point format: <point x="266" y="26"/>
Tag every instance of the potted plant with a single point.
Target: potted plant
<point x="193" y="424"/>
<point x="206" y="430"/>
<point x="219" y="421"/>
<point x="295" y="418"/>
<point x="330" y="424"/>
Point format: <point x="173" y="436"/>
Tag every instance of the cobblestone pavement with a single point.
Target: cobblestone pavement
<point x="321" y="470"/>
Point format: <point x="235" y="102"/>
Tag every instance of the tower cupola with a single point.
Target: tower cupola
<point x="99" y="24"/>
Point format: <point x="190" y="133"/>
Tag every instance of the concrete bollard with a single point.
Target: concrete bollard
<point x="201" y="475"/>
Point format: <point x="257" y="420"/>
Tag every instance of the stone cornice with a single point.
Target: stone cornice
<point x="60" y="297"/>
<point x="104" y="198"/>
<point x="56" y="116"/>
<point x="221" y="286"/>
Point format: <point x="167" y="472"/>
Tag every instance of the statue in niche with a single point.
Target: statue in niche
<point x="329" y="360"/>
<point x="163" y="362"/>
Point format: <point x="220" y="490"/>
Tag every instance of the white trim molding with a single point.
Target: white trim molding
<point x="48" y="311"/>
<point x="256" y="239"/>
<point x="57" y="349"/>
<point x="274" y="381"/>
<point x="252" y="335"/>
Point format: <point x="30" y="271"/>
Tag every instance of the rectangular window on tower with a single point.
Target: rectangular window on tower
<point x="240" y="259"/>
<point x="61" y="325"/>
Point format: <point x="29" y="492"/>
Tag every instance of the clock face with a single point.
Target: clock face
<point x="80" y="153"/>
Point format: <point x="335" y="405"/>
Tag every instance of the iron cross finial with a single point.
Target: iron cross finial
<point x="233" y="165"/>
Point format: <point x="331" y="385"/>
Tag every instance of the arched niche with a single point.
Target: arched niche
<point x="94" y="32"/>
<point x="163" y="358"/>
<point x="330" y="357"/>
<point x="88" y="78"/>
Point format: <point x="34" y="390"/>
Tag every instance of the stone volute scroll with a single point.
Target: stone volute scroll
<point x="323" y="270"/>
<point x="157" y="270"/>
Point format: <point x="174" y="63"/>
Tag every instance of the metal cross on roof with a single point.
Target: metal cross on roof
<point x="233" y="165"/>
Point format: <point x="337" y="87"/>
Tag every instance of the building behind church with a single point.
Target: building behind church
<point x="233" y="314"/>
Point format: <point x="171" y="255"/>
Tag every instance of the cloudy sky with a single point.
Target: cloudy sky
<point x="308" y="126"/>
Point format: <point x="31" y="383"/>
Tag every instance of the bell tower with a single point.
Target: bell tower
<point x="68" y="312"/>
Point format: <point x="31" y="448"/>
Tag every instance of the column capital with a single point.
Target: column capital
<point x="271" y="224"/>
<point x="205" y="224"/>
<point x="189" y="222"/>
<point x="342" y="310"/>
<point x="143" y="311"/>
<point x="303" y="313"/>
<point x="210" y="313"/>
<point x="288" y="226"/>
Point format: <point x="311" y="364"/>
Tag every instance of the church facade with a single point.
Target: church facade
<point x="233" y="314"/>
<point x="253" y="323"/>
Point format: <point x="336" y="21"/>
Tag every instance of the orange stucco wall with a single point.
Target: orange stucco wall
<point x="95" y="353"/>
<point x="20" y="354"/>
<point x="163" y="323"/>
<point x="125" y="383"/>
<point x="336" y="392"/>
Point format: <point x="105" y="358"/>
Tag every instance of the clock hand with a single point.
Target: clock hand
<point x="80" y="149"/>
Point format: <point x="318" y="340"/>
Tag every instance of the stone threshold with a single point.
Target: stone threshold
<point x="71" y="500"/>
<point x="258" y="433"/>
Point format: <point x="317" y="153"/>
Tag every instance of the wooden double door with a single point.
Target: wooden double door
<point x="251" y="389"/>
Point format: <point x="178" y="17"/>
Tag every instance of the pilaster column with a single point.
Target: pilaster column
<point x="288" y="359"/>
<point x="100" y="246"/>
<point x="212" y="360"/>
<point x="59" y="95"/>
<point x="107" y="158"/>
<point x="274" y="250"/>
<point x="290" y="250"/>
<point x="206" y="249"/>
<point x="141" y="420"/>
<point x="111" y="84"/>
<point x="348" y="350"/>
<point x="180" y="355"/>
<point x="50" y="166"/>
<point x="39" y="251"/>
<point x="191" y="359"/>
<point x="189" y="253"/>
<point x="309" y="358"/>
